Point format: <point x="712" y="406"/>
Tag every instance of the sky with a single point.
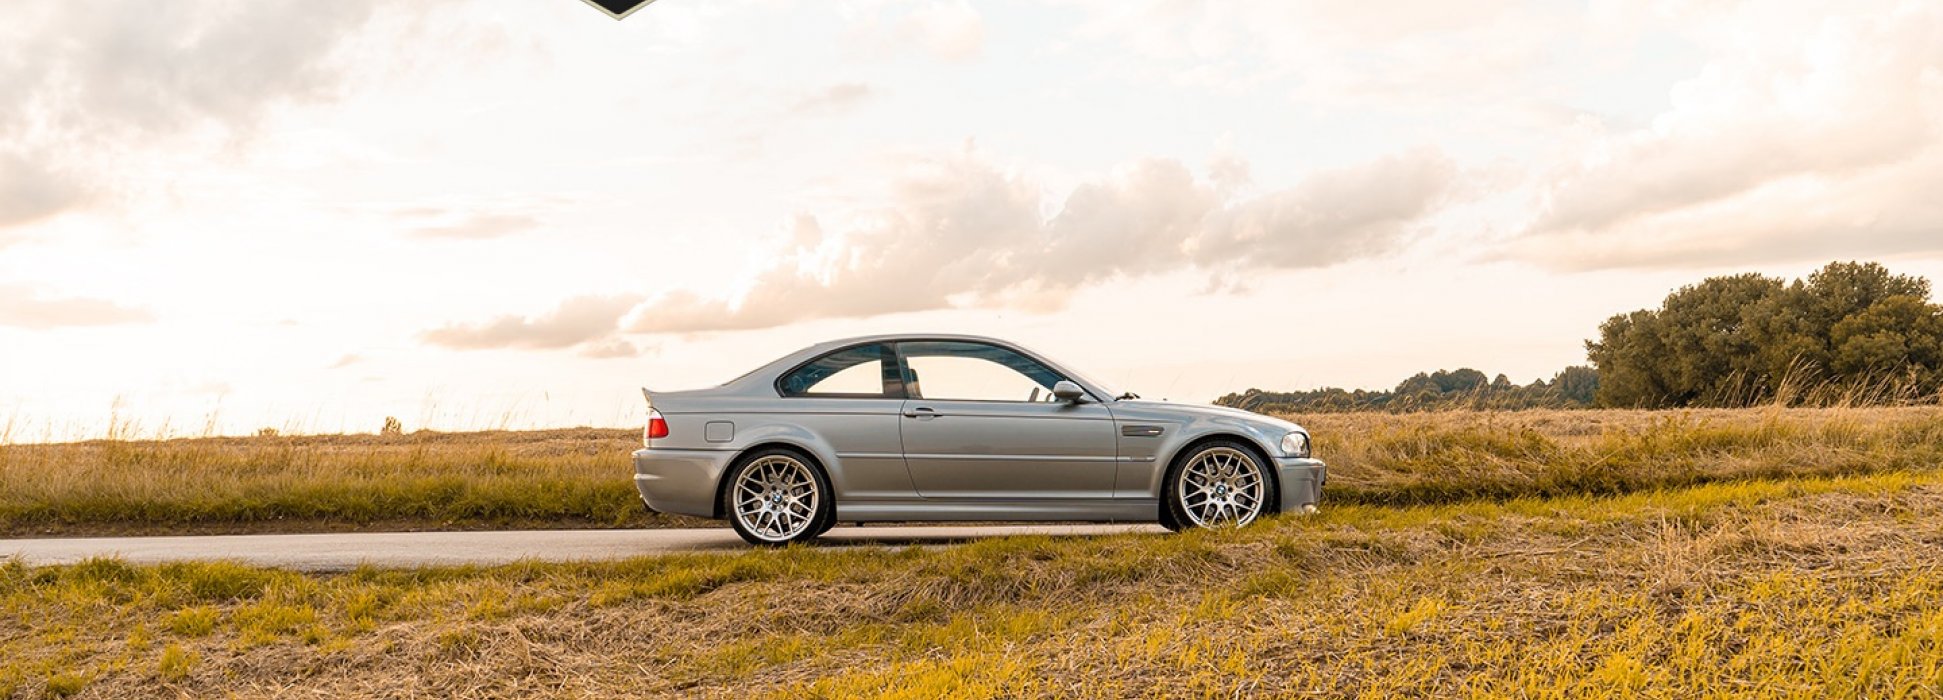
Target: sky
<point x="218" y="216"/>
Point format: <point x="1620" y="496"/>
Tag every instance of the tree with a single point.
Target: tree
<point x="1736" y="340"/>
<point x="1578" y="384"/>
<point x="1461" y="388"/>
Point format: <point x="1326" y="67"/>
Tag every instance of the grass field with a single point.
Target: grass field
<point x="552" y="478"/>
<point x="1809" y="587"/>
<point x="581" y="478"/>
<point x="1755" y="553"/>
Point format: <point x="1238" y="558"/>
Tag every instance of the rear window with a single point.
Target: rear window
<point x="857" y="372"/>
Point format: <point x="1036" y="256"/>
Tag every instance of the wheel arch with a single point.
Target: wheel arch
<point x="809" y="457"/>
<point x="1180" y="455"/>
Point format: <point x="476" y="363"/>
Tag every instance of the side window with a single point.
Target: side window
<point x="961" y="371"/>
<point x="854" y="372"/>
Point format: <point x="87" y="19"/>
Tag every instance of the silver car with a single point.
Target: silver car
<point x="956" y="427"/>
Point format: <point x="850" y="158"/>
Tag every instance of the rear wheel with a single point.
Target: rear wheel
<point x="1219" y="484"/>
<point x="775" y="497"/>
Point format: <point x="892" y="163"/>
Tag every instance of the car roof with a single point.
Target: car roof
<point x="761" y="381"/>
<point x="894" y="337"/>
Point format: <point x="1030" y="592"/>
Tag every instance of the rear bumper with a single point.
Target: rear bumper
<point x="1302" y="481"/>
<point x="680" y="481"/>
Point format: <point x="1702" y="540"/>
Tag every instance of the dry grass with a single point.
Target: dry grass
<point x="554" y="478"/>
<point x="1439" y="457"/>
<point x="581" y="478"/>
<point x="1812" y="587"/>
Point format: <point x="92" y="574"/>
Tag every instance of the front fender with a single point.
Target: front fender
<point x="1148" y="459"/>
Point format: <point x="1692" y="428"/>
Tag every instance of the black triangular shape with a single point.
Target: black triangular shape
<point x="619" y="8"/>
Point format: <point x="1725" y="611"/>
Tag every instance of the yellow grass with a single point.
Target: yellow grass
<point x="1752" y="553"/>
<point x="1443" y="456"/>
<point x="1812" y="587"/>
<point x="554" y="478"/>
<point x="581" y="478"/>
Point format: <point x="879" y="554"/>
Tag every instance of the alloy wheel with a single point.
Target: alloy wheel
<point x="776" y="498"/>
<point x="1222" y="486"/>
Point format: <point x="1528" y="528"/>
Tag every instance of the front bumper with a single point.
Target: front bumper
<point x="680" y="481"/>
<point x="1302" y="480"/>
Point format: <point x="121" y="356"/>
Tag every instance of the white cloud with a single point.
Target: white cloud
<point x="947" y="30"/>
<point x="961" y="231"/>
<point x="86" y="81"/>
<point x="31" y="189"/>
<point x="1335" y="51"/>
<point x="1806" y="137"/>
<point x="950" y="29"/>
<point x="834" y="97"/>
<point x="22" y="308"/>
<point x="575" y="321"/>
<point x="611" y="348"/>
<point x="480" y="226"/>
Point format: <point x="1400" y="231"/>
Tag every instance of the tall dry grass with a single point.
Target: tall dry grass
<point x="581" y="478"/>
<point x="1452" y="455"/>
<point x="1811" y="588"/>
<point x="553" y="478"/>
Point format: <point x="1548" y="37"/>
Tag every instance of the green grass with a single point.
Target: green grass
<point x="1821" y="586"/>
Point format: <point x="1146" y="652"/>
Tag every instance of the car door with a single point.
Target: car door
<point x="980" y="422"/>
<point x="850" y="399"/>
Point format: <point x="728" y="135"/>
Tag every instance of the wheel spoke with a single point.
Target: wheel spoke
<point x="776" y="498"/>
<point x="1221" y="487"/>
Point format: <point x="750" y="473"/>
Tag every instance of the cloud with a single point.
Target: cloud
<point x="22" y="308"/>
<point x="951" y="30"/>
<point x="85" y="82"/>
<point x="961" y="231"/>
<point x="1891" y="210"/>
<point x="835" y="97"/>
<point x="576" y="321"/>
<point x="1804" y="137"/>
<point x="1331" y="51"/>
<point x="30" y="190"/>
<point x="612" y="347"/>
<point x="947" y="30"/>
<point x="481" y="226"/>
<point x="347" y="361"/>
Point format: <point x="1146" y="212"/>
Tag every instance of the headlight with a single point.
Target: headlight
<point x="1296" y="444"/>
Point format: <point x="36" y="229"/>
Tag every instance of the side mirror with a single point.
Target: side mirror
<point x="1068" y="391"/>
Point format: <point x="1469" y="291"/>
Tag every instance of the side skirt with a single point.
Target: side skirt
<point x="933" y="509"/>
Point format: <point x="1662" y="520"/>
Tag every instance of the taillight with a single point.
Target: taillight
<point x="657" y="426"/>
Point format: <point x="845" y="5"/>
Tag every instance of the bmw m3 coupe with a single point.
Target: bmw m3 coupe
<point x="956" y="428"/>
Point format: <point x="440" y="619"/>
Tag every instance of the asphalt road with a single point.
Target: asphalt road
<point x="342" y="551"/>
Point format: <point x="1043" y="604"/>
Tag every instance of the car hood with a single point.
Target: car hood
<point x="1206" y="410"/>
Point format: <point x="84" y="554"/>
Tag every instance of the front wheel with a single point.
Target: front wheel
<point x="1219" y="484"/>
<point x="776" y="497"/>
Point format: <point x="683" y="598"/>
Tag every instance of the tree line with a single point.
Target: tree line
<point x="1574" y="387"/>
<point x="1850" y="333"/>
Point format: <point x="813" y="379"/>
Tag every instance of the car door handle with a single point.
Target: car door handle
<point x="920" y="412"/>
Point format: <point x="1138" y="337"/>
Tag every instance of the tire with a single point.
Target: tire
<point x="1220" y="483"/>
<point x="1167" y="519"/>
<point x="776" y="496"/>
